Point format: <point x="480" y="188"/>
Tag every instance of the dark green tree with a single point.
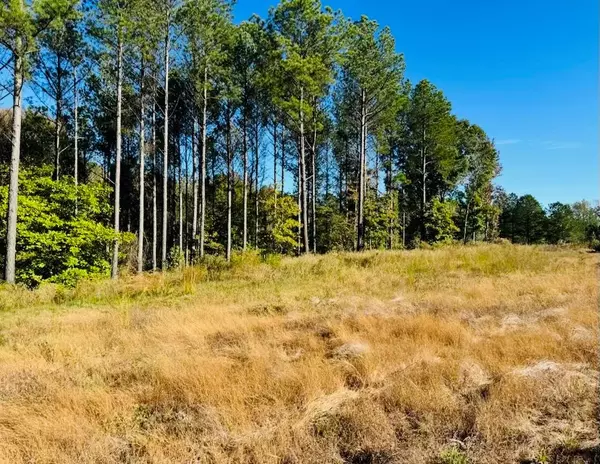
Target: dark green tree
<point x="434" y="165"/>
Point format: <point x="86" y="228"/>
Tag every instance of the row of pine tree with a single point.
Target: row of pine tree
<point x="295" y="133"/>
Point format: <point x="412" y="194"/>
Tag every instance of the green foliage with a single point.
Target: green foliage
<point x="303" y="70"/>
<point x="53" y="243"/>
<point x="440" y="220"/>
<point x="21" y="22"/>
<point x="523" y="219"/>
<point x="335" y="232"/>
<point x="561" y="222"/>
<point x="482" y="165"/>
<point x="37" y="132"/>
<point x="280" y="222"/>
<point x="431" y="137"/>
<point x="453" y="456"/>
<point x="372" y="65"/>
<point x="381" y="216"/>
<point x="307" y="49"/>
<point x="175" y="258"/>
<point x="586" y="222"/>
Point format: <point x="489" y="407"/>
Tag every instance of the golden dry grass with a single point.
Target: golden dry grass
<point x="474" y="354"/>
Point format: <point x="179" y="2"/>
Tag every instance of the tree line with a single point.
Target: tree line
<point x="159" y="132"/>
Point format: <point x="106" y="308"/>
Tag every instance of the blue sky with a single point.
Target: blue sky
<point x="526" y="71"/>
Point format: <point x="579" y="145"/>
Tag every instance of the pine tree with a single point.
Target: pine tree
<point x="205" y="25"/>
<point x="375" y="72"/>
<point x="308" y="47"/>
<point x="481" y="158"/>
<point x="20" y="26"/>
<point x="433" y="162"/>
<point x="144" y="18"/>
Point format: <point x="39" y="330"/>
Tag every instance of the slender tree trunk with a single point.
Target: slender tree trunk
<point x="165" y="215"/>
<point x="314" y="189"/>
<point x="229" y="182"/>
<point x="299" y="173"/>
<point x="213" y="198"/>
<point x="376" y="174"/>
<point x="282" y="159"/>
<point x="58" y="122"/>
<point x="327" y="170"/>
<point x="142" y="175"/>
<point x="154" y="187"/>
<point x="195" y="185"/>
<point x="180" y="199"/>
<point x="340" y="189"/>
<point x="487" y="225"/>
<point x="275" y="160"/>
<point x="388" y="191"/>
<point x="203" y="166"/>
<point x="186" y="201"/>
<point x="360" y="238"/>
<point x="76" y="139"/>
<point x="403" y="229"/>
<point x="257" y="181"/>
<point x="245" y="180"/>
<point x="303" y="189"/>
<point x="466" y="222"/>
<point x="117" y="212"/>
<point x="424" y="185"/>
<point x="13" y="191"/>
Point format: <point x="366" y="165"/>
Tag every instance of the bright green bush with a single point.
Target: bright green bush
<point x="63" y="232"/>
<point x="440" y="221"/>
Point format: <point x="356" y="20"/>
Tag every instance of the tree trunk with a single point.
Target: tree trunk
<point x="154" y="188"/>
<point x="299" y="174"/>
<point x="195" y="185"/>
<point x="424" y="185"/>
<point x="376" y="174"/>
<point x="389" y="191"/>
<point x="117" y="212"/>
<point x="314" y="189"/>
<point x="180" y="199"/>
<point x="282" y="158"/>
<point x="186" y="201"/>
<point x="466" y="223"/>
<point x="165" y="215"/>
<point x="203" y="166"/>
<point x="275" y="160"/>
<point x="76" y="139"/>
<point x="57" y="124"/>
<point x="360" y="237"/>
<point x="229" y="182"/>
<point x="403" y="229"/>
<point x="303" y="189"/>
<point x="13" y="191"/>
<point x="140" y="264"/>
<point x="257" y="181"/>
<point x="245" y="186"/>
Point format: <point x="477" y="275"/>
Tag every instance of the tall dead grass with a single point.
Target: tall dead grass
<point x="473" y="354"/>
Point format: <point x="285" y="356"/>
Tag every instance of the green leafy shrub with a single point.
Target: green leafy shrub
<point x="280" y="231"/>
<point x="440" y="220"/>
<point x="453" y="456"/>
<point x="63" y="232"/>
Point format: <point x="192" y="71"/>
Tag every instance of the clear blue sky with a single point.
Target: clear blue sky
<point x="526" y="71"/>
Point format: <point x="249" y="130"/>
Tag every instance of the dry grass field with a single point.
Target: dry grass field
<point x="482" y="354"/>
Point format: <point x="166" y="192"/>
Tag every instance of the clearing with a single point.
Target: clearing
<point x="475" y="354"/>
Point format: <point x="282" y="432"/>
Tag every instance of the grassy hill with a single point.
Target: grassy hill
<point x="470" y="354"/>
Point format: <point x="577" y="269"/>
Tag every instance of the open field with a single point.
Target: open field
<point x="477" y="354"/>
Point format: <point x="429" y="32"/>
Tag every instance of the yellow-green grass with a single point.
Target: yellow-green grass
<point x="485" y="353"/>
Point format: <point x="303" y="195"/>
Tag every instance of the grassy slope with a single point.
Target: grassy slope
<point x="485" y="352"/>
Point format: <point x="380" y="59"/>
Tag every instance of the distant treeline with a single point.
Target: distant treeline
<point x="290" y="134"/>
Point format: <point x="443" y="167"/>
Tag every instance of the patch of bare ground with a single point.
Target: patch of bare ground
<point x="484" y="354"/>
